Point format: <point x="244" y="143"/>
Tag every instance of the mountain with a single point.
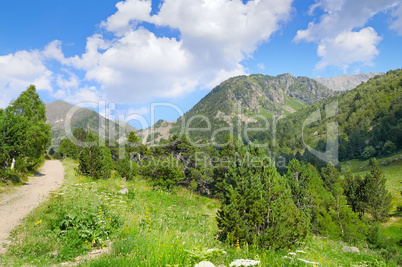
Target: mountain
<point x="243" y="100"/>
<point x="57" y="113"/>
<point x="369" y="120"/>
<point x="346" y="82"/>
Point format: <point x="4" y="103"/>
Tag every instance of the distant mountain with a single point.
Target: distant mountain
<point x="347" y="82"/>
<point x="57" y="114"/>
<point x="244" y="99"/>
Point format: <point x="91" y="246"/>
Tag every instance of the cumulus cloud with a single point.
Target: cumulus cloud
<point x="214" y="37"/>
<point x="79" y="95"/>
<point x="19" y="70"/>
<point x="348" y="48"/>
<point x="128" y="13"/>
<point x="340" y="34"/>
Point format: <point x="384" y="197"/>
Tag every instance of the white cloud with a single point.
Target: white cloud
<point x="122" y="20"/>
<point x="19" y="70"/>
<point x="397" y="23"/>
<point x="79" y="95"/>
<point x="214" y="37"/>
<point x="342" y="20"/>
<point x="53" y="51"/>
<point x="261" y="66"/>
<point x="72" y="81"/>
<point x="348" y="48"/>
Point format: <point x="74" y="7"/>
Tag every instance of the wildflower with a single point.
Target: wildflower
<point x="237" y="244"/>
<point x="309" y="262"/>
<point x="205" y="264"/>
<point x="38" y="222"/>
<point x="242" y="262"/>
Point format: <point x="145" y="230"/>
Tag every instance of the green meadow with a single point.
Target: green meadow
<point x="151" y="227"/>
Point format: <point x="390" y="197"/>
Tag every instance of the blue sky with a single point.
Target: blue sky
<point x="136" y="52"/>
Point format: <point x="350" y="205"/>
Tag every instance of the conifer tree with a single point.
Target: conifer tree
<point x="346" y="224"/>
<point x="95" y="161"/>
<point x="307" y="190"/>
<point x="377" y="198"/>
<point x="353" y="190"/>
<point x="257" y="207"/>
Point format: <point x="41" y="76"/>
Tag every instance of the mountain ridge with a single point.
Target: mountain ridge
<point x="348" y="81"/>
<point x="258" y="95"/>
<point x="57" y="114"/>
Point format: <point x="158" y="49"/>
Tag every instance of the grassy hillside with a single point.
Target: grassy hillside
<point x="147" y="227"/>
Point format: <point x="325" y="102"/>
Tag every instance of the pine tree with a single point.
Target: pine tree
<point x="307" y="190"/>
<point x="126" y="168"/>
<point x="346" y="224"/>
<point x="353" y="190"/>
<point x="95" y="161"/>
<point x="377" y="198"/>
<point x="257" y="207"/>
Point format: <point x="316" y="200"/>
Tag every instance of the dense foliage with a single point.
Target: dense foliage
<point x="257" y="208"/>
<point x="24" y="134"/>
<point x="366" y="116"/>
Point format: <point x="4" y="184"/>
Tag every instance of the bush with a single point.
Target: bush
<point x="164" y="171"/>
<point x="126" y="168"/>
<point x="57" y="155"/>
<point x="95" y="162"/>
<point x="369" y="152"/>
<point x="399" y="209"/>
<point x="388" y="148"/>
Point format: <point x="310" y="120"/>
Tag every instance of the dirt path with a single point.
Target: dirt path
<point x="16" y="205"/>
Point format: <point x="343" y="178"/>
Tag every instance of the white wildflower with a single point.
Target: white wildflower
<point x="309" y="262"/>
<point x="291" y="253"/>
<point x="245" y="263"/>
<point x="300" y="251"/>
<point x="205" y="264"/>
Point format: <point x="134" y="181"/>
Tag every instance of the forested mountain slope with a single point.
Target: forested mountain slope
<point x="369" y="119"/>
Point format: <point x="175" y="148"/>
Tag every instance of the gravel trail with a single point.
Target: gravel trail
<point x="18" y="204"/>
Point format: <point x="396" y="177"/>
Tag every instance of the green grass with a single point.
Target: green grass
<point x="291" y="102"/>
<point x="147" y="227"/>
